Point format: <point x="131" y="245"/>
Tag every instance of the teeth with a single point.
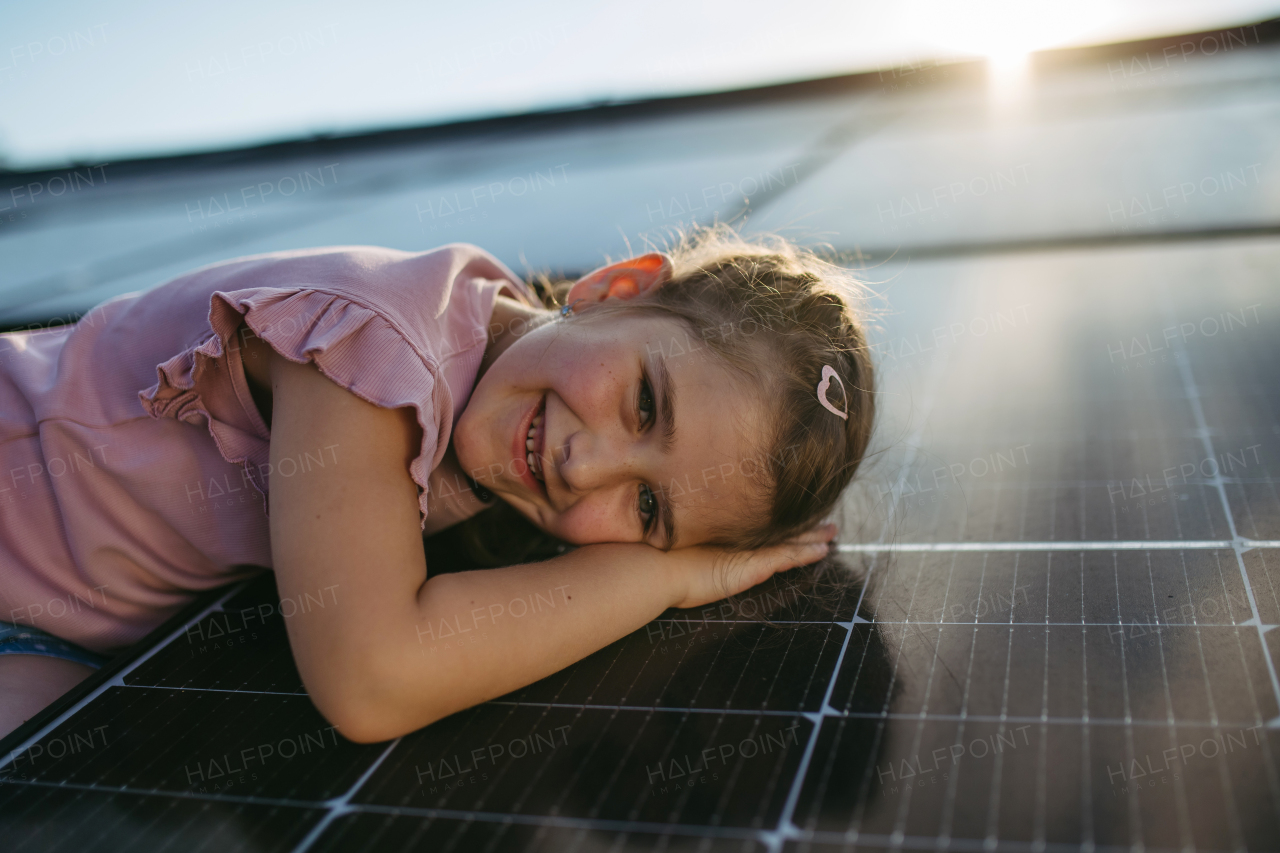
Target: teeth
<point x="531" y="442"/>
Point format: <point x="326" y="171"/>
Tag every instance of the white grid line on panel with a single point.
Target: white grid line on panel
<point x="909" y="842"/>
<point x="1185" y="830"/>
<point x="786" y="828"/>
<point x="339" y="806"/>
<point x="1079" y="545"/>
<point x="1197" y="409"/>
<point x="118" y="679"/>
<point x="1192" y="391"/>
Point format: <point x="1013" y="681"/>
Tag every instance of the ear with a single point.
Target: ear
<point x="622" y="280"/>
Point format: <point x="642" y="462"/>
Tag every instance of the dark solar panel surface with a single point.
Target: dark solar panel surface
<point x="1069" y="535"/>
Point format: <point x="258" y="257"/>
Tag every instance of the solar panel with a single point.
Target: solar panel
<point x="1059" y="630"/>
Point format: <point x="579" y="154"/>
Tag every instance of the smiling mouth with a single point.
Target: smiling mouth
<point x="535" y="441"/>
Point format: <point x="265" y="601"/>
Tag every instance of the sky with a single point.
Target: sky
<point x="92" y="82"/>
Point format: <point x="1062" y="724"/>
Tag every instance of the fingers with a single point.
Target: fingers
<point x="814" y="551"/>
<point x="744" y="570"/>
<point x="712" y="574"/>
<point x="756" y="567"/>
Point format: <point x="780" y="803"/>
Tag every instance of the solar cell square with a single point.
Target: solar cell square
<point x="1263" y="566"/>
<point x="689" y="663"/>
<point x="1110" y="672"/>
<point x="658" y="767"/>
<point x="1162" y="786"/>
<point x="397" y="832"/>
<point x="241" y="646"/>
<point x="1255" y="508"/>
<point x="1119" y="510"/>
<point x="83" y="820"/>
<point x="202" y="742"/>
<point x="836" y="847"/>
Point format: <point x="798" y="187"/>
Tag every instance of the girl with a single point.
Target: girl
<point x="685" y="418"/>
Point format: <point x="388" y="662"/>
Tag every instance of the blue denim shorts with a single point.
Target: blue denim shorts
<point x="25" y="640"/>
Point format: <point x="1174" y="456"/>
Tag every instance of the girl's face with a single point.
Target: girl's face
<point x="616" y="427"/>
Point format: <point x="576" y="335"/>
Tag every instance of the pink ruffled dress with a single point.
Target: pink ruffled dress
<point x="134" y="464"/>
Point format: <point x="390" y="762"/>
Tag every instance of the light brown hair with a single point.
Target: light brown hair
<point x="777" y="314"/>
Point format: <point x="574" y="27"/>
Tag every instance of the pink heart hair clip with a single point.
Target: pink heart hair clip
<point x="829" y="373"/>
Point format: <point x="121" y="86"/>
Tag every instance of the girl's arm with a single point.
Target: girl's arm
<point x="392" y="650"/>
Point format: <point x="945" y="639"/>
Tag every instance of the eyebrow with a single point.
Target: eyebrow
<point x="666" y="393"/>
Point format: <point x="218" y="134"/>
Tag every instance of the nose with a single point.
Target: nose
<point x="590" y="460"/>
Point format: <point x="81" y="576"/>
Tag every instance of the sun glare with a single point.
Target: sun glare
<point x="1008" y="78"/>
<point x="1006" y="32"/>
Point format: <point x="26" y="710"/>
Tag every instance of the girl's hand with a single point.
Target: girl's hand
<point x="703" y="575"/>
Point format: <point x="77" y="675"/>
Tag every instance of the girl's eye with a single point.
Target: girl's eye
<point x="645" y="402"/>
<point x="648" y="506"/>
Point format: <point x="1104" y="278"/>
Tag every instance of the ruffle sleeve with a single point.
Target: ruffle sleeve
<point x="353" y="344"/>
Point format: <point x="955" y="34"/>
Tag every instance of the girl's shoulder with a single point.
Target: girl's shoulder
<point x="397" y="329"/>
